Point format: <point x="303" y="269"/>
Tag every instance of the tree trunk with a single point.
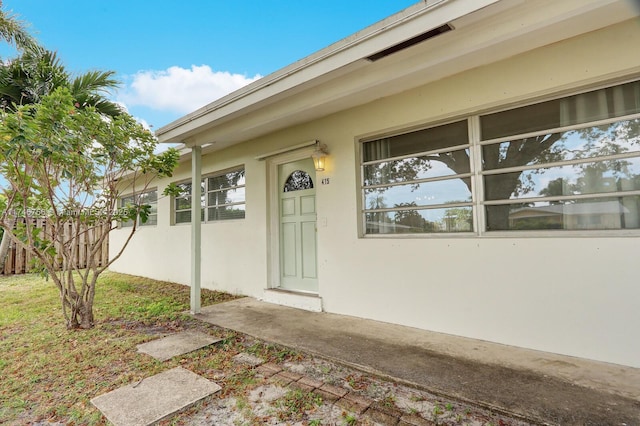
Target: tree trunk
<point x="5" y="244"/>
<point x="85" y="315"/>
<point x="78" y="306"/>
<point x="81" y="315"/>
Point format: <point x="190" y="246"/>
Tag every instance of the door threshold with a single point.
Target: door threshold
<point x="295" y="299"/>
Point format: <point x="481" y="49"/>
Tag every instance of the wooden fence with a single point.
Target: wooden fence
<point x="19" y="259"/>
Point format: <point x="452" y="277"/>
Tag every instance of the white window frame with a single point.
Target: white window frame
<point x="477" y="174"/>
<point x="363" y="207"/>
<point x="132" y="196"/>
<point x="174" y="210"/>
<point x="205" y="199"/>
<point x="634" y="154"/>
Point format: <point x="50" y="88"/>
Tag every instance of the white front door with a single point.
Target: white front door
<point x="297" y="201"/>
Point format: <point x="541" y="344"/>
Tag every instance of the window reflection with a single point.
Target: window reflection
<point x="405" y="221"/>
<point x="299" y="180"/>
<point x="583" y="214"/>
<point x="420" y="177"/>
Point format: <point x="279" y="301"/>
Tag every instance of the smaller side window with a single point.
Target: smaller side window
<point x="223" y="198"/>
<point x="145" y="198"/>
<point x="226" y="195"/>
<point x="182" y="203"/>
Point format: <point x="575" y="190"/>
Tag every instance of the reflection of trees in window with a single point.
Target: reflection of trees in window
<point x="297" y="181"/>
<point x="223" y="197"/>
<point x="411" y="221"/>
<point x="419" y="173"/>
<point x="575" y="150"/>
<point x="182" y="203"/>
<point x="226" y="196"/>
<point x="588" y="159"/>
<point x="457" y="219"/>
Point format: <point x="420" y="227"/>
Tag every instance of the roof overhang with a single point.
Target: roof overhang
<point x="343" y="75"/>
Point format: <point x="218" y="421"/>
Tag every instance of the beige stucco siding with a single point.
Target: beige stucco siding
<point x="572" y="295"/>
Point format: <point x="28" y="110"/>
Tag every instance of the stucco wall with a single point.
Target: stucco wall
<point x="571" y="295"/>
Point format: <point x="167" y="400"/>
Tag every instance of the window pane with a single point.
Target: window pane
<point x="185" y="189"/>
<point x="585" y="214"/>
<point x="227" y="196"/>
<point x="458" y="219"/>
<point x="146" y="198"/>
<point x="420" y="141"/>
<point x="428" y="166"/>
<point x="227" y="180"/>
<point x="216" y="198"/>
<point x="183" y="217"/>
<point x="591" y="106"/>
<point x="615" y="138"/>
<point x="126" y="202"/>
<point x="586" y="178"/>
<point x="227" y="212"/>
<point x="150" y="197"/>
<point x="218" y="182"/>
<point x="225" y="189"/>
<point x="151" y="220"/>
<point x="419" y="194"/>
<point x="183" y="203"/>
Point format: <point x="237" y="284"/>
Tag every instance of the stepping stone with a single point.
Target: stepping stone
<point x="154" y="398"/>
<point x="177" y="344"/>
<point x="248" y="359"/>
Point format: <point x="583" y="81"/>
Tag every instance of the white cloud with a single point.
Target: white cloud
<point x="181" y="90"/>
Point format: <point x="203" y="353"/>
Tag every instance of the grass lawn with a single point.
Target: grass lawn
<point x="50" y="373"/>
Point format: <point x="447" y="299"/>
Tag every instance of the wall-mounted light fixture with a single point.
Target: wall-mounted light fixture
<point x="319" y="156"/>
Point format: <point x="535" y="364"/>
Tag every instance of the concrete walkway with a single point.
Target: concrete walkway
<point x="536" y="386"/>
<point x="154" y="398"/>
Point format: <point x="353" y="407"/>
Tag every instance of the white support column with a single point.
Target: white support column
<point x="196" y="236"/>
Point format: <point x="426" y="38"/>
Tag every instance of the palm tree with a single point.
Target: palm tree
<point x="38" y="71"/>
<point x="14" y="32"/>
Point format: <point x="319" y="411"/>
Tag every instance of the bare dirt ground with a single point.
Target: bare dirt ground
<point x="272" y="399"/>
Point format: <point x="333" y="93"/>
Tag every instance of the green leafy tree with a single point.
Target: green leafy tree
<point x="410" y="220"/>
<point x="67" y="163"/>
<point x="457" y="219"/>
<point x="35" y="73"/>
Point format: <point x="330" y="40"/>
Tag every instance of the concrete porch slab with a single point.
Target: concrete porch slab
<point x="154" y="398"/>
<point x="539" y="386"/>
<point x="177" y="344"/>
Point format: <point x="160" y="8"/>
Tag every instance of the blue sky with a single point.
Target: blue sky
<point x="174" y="57"/>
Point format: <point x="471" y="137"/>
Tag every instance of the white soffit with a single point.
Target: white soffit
<point x="340" y="77"/>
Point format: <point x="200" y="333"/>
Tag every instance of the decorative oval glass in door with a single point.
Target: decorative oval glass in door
<point x="297" y="181"/>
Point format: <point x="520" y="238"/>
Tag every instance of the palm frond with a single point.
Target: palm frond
<point x="35" y="73"/>
<point x="94" y="82"/>
<point x="14" y="31"/>
<point x="101" y="104"/>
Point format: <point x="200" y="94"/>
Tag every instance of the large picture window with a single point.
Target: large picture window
<point x="223" y="198"/>
<point x="418" y="182"/>
<point x="570" y="164"/>
<point x="566" y="164"/>
<point x="145" y="198"/>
